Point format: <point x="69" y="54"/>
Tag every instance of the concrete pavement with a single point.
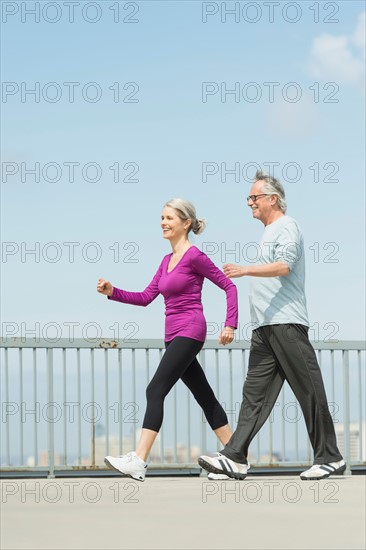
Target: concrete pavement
<point x="272" y="513"/>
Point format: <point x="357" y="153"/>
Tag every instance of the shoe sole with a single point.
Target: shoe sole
<point x="339" y="471"/>
<point x="213" y="470"/>
<point x="110" y="465"/>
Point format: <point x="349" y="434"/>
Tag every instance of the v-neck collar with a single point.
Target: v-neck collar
<point x="176" y="265"/>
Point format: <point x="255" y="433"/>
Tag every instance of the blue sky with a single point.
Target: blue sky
<point x="165" y="137"/>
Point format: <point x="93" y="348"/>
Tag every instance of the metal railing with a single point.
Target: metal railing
<point x="65" y="405"/>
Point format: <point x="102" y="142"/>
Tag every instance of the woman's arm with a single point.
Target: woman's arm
<point x="143" y="298"/>
<point x="205" y="267"/>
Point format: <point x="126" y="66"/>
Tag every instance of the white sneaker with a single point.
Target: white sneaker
<point x="322" y="471"/>
<point x="220" y="464"/>
<point x="130" y="465"/>
<point x="216" y="477"/>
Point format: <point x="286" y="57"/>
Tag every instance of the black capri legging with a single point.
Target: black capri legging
<point x="179" y="361"/>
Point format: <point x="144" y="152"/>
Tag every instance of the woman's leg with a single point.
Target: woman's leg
<point x="147" y="439"/>
<point x="224" y="433"/>
<point x="178" y="356"/>
<point x="195" y="380"/>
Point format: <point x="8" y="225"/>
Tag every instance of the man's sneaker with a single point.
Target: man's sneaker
<point x="130" y="465"/>
<point x="220" y="464"/>
<point x="322" y="471"/>
<point x="217" y="477"/>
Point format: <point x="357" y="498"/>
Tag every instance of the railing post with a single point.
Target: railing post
<point x="51" y="434"/>
<point x="360" y="399"/>
<point x="203" y="443"/>
<point x="346" y="415"/>
<point x="7" y="401"/>
<point x="21" y="400"/>
<point x="93" y="402"/>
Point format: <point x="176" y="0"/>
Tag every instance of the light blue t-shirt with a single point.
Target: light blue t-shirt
<point x="279" y="300"/>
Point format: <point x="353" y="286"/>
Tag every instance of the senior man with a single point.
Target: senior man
<point x="280" y="347"/>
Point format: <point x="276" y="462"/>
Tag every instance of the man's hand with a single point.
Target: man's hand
<point x="232" y="270"/>
<point x="226" y="336"/>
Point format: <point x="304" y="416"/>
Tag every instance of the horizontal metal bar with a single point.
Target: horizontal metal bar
<point x="107" y="343"/>
<point x="189" y="468"/>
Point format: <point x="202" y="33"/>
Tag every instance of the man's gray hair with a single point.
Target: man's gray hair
<point x="273" y="187"/>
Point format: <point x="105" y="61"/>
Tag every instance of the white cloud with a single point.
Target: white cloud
<point x="359" y="36"/>
<point x="340" y="58"/>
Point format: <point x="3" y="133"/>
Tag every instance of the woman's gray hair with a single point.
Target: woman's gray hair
<point x="186" y="211"/>
<point x="273" y="187"/>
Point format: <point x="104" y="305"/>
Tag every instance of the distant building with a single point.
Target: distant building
<point x="181" y="456"/>
<point x="274" y="458"/>
<point x="114" y="448"/>
<point x="43" y="459"/>
<point x="357" y="440"/>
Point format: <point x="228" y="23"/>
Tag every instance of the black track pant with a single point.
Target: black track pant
<point x="179" y="362"/>
<point x="279" y="353"/>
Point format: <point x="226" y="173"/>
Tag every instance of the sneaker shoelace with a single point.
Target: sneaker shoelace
<point x="128" y="457"/>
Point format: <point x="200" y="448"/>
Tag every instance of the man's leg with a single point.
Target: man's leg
<point x="295" y="354"/>
<point x="261" y="388"/>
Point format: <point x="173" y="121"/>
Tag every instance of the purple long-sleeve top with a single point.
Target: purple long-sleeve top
<point x="182" y="291"/>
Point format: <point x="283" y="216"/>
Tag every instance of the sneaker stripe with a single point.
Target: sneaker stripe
<point x="226" y="466"/>
<point x="327" y="468"/>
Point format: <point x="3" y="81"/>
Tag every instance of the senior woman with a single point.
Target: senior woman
<point x="179" y="279"/>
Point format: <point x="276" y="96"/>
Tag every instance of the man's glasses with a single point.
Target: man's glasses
<point x="254" y="198"/>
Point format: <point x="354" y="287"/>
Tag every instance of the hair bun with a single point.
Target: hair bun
<point x="199" y="226"/>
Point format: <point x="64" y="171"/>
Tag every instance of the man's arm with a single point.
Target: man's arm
<point x="276" y="269"/>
